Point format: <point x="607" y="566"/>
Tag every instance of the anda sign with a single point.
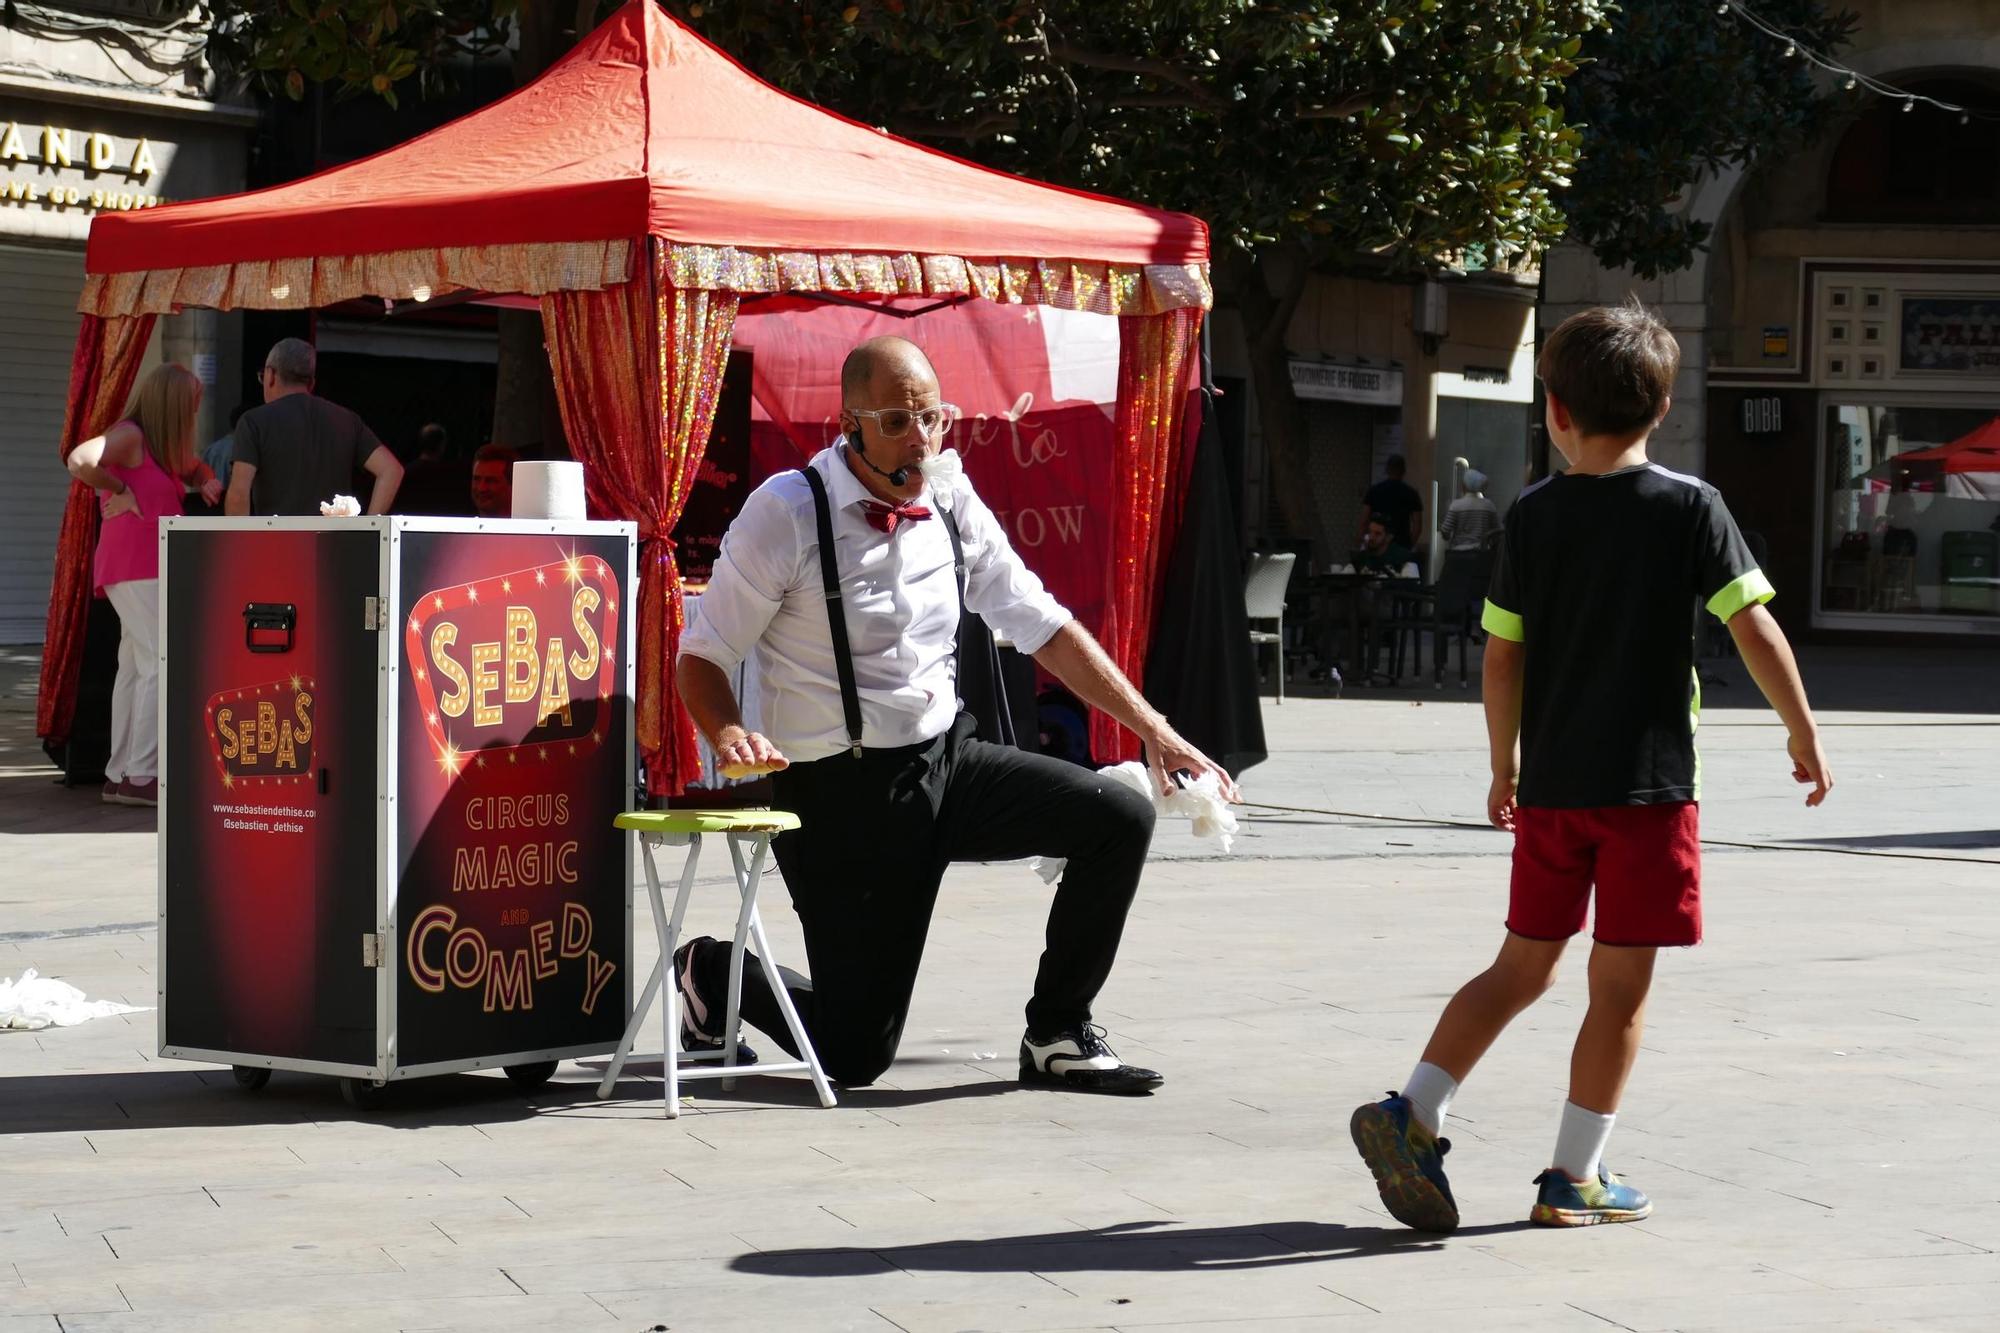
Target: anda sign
<point x="32" y="155"/>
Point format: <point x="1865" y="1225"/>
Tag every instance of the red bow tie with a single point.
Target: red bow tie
<point x="885" y="517"/>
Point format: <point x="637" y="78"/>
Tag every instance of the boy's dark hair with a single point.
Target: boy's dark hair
<point x="1613" y="367"/>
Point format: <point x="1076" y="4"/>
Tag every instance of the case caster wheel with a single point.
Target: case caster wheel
<point x="363" y="1094"/>
<point x="249" y="1078"/>
<point x="532" y="1076"/>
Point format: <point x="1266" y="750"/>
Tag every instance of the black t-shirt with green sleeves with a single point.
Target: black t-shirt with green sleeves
<point x="1595" y="578"/>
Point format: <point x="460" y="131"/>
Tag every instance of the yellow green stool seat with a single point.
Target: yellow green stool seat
<point x="707" y="821"/>
<point x="749" y="830"/>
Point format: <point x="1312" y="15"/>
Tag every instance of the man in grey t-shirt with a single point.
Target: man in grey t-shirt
<point x="298" y="450"/>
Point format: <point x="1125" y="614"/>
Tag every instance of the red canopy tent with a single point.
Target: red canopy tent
<point x="642" y="188"/>
<point x="1968" y="467"/>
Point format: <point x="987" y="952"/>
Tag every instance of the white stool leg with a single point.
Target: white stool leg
<point x="746" y="886"/>
<point x="637" y="1021"/>
<point x="798" y="1028"/>
<point x="625" y="1043"/>
<point x="670" y="934"/>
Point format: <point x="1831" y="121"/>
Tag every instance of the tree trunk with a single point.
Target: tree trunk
<point x="1267" y="289"/>
<point x="524" y="396"/>
<point x="524" y="389"/>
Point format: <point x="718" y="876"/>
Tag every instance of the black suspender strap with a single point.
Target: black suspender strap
<point x="836" y="611"/>
<point x="957" y="555"/>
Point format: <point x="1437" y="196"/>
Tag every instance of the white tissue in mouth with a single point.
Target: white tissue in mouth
<point x="942" y="467"/>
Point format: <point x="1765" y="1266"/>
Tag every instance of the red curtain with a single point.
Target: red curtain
<point x="101" y="374"/>
<point x="638" y="370"/>
<point x="1156" y="362"/>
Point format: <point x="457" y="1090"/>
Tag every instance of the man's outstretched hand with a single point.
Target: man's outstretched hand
<point x="1168" y="754"/>
<point x="746" y="754"/>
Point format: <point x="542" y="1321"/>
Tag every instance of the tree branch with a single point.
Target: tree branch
<point x="993" y="122"/>
<point x="1340" y="110"/>
<point x="1155" y="69"/>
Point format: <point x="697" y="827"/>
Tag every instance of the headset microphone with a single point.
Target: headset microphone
<point x="898" y="478"/>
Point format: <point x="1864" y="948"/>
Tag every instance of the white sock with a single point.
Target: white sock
<point x="1430" y="1091"/>
<point x="1580" y="1142"/>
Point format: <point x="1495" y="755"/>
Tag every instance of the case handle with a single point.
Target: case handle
<point x="268" y="618"/>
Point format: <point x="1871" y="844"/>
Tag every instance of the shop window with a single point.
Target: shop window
<point x="1919" y="166"/>
<point x="1912" y="510"/>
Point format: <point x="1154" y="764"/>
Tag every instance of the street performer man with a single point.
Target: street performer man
<point x="862" y="731"/>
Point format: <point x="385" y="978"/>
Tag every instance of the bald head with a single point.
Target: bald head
<point x="882" y="361"/>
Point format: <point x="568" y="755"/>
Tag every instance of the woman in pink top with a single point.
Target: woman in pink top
<point x="139" y="468"/>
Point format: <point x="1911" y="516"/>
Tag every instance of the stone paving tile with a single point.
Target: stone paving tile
<point x="1828" y="1047"/>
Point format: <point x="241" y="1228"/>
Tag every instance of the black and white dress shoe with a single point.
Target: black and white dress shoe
<point x="701" y="1024"/>
<point x="1078" y="1058"/>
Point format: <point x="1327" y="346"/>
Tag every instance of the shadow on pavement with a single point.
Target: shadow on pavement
<point x="1969" y="840"/>
<point x="1843" y="678"/>
<point x="180" y="1097"/>
<point x="1127" y="1247"/>
<point x="33" y="800"/>
<point x="208" y="1096"/>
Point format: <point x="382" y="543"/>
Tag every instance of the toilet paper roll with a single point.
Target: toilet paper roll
<point x="548" y="490"/>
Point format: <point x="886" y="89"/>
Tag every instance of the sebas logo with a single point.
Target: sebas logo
<point x="263" y="733"/>
<point x="516" y="668"/>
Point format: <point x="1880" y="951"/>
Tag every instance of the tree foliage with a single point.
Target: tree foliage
<point x="1671" y="89"/>
<point x="353" y="46"/>
<point x="1404" y="131"/>
<point x="1391" y="133"/>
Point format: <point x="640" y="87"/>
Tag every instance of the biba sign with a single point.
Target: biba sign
<point x="517" y="668"/>
<point x="262" y="734"/>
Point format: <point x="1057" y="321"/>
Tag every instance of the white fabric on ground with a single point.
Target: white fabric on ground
<point x="36" y="1002"/>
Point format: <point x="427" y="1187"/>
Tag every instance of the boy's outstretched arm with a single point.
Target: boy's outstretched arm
<point x="1765" y="652"/>
<point x="1500" y="676"/>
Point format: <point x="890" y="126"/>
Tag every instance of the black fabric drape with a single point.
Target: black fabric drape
<point x="1199" y="668"/>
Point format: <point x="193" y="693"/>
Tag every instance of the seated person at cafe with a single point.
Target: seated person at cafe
<point x="493" y="481"/>
<point x="1380" y="553"/>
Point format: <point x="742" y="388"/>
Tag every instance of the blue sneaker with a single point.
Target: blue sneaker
<point x="1408" y="1162"/>
<point x="1563" y="1202"/>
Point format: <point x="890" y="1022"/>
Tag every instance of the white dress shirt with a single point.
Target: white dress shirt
<point x="766" y="602"/>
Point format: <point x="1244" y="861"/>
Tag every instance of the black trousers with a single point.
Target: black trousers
<point x="863" y="871"/>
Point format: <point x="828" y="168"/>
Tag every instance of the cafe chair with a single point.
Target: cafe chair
<point x="1264" y="590"/>
<point x="749" y="835"/>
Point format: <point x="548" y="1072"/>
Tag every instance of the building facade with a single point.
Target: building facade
<point x="1841" y="341"/>
<point x="105" y="105"/>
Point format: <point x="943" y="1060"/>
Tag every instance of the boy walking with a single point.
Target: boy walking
<point x="1590" y="710"/>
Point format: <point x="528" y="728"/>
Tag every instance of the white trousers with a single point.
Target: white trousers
<point x="135" y="698"/>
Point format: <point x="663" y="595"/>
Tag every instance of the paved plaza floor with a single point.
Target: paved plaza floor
<point x="1815" y="1113"/>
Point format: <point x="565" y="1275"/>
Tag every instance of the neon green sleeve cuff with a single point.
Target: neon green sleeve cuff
<point x="1749" y="590"/>
<point x="1502" y="623"/>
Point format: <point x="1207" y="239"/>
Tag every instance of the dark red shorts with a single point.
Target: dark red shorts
<point x="1645" y="861"/>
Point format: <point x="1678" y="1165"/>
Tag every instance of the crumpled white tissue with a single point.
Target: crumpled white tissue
<point x="36" y="1002"/>
<point x="942" y="468"/>
<point x="341" y="506"/>
<point x="1199" y="801"/>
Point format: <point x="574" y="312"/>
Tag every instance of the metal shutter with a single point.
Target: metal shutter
<point x="38" y="321"/>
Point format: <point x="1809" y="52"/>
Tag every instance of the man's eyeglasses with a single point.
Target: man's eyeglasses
<point x="895" y="422"/>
